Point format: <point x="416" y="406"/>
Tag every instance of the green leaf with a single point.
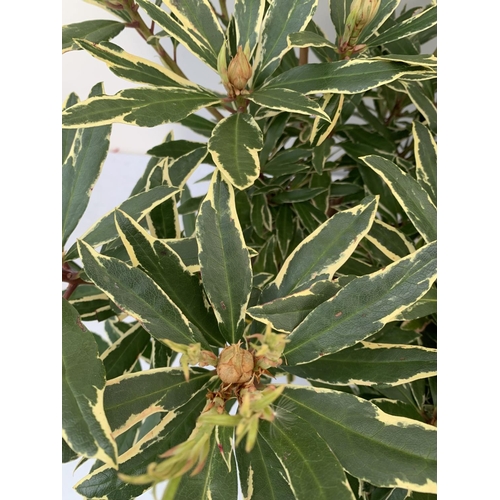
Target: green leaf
<point x="137" y="294"/>
<point x="85" y="427"/>
<point x="248" y="21"/>
<point x="285" y="228"/>
<point x="122" y="355"/>
<point x="165" y="267"/>
<point x="298" y="195"/>
<point x="370" y="364"/>
<point x="285" y="314"/>
<point x="188" y="37"/>
<point x="136" y="69"/>
<point x="67" y="453"/>
<point x="282" y="18"/>
<point x="181" y="168"/>
<point x="132" y="397"/>
<point x="311" y="467"/>
<point x="216" y="481"/>
<point x="199" y="20"/>
<point x="408" y="27"/>
<point x="187" y="250"/>
<point x="323" y="251"/>
<point x="342" y="77"/>
<point x="287" y="100"/>
<point x="423" y="307"/>
<point x="174" y="428"/>
<point x="143" y="106"/>
<point x="234" y="145"/>
<point x="410" y="194"/>
<point x="81" y="169"/>
<point x="68" y="135"/>
<point x="198" y="124"/>
<point x="175" y="149"/>
<point x="224" y="260"/>
<point x="363" y="307"/>
<point x="284" y="162"/>
<point x="426" y="158"/>
<point x="98" y="30"/>
<point x="396" y="451"/>
<point x="137" y="207"/>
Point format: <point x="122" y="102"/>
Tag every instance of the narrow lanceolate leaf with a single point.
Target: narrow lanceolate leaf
<point x="426" y="158"/>
<point x="287" y="100"/>
<point x="68" y="135"/>
<point x="342" y="77"/>
<point x="309" y="39"/>
<point x="311" y="467"/>
<point x="174" y="428"/>
<point x="91" y="303"/>
<point x="411" y="26"/>
<point x="144" y="107"/>
<point x="85" y="426"/>
<point x="410" y="194"/>
<point x="224" y="260"/>
<point x="123" y="354"/>
<point x="135" y="69"/>
<point x="247" y="22"/>
<point x="165" y="267"/>
<point x="137" y="207"/>
<point x="198" y="18"/>
<point x="391" y="242"/>
<point x="282" y="18"/>
<point x="424" y="60"/>
<point x="218" y="480"/>
<point x="262" y="475"/>
<point x="371" y="364"/>
<point x="136" y="293"/>
<point x="423" y="307"/>
<point x="190" y="39"/>
<point x="132" y="397"/>
<point x="323" y="251"/>
<point x="180" y="169"/>
<point x="423" y="104"/>
<point x="80" y="170"/>
<point x="96" y="31"/>
<point x="396" y="452"/>
<point x="234" y="146"/>
<point x="363" y="307"/>
<point x="285" y="314"/>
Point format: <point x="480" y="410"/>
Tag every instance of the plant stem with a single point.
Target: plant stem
<point x="303" y="55"/>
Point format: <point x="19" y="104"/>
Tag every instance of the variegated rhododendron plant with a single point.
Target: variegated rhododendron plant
<point x="277" y="335"/>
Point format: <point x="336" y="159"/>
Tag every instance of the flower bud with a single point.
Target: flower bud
<point x="362" y="12"/>
<point x="239" y="70"/>
<point x="235" y="365"/>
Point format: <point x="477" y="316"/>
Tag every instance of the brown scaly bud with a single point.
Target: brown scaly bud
<point x="235" y="365"/>
<point x="239" y="71"/>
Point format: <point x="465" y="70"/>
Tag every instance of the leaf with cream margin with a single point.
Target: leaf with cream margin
<point x="96" y="30"/>
<point x="141" y="106"/>
<point x="323" y="251"/>
<point x="307" y="461"/>
<point x="132" y="397"/>
<point x="234" y="146"/>
<point x="81" y="169"/>
<point x="282" y="18"/>
<point x="219" y="478"/>
<point x="165" y="267"/>
<point x="248" y="18"/>
<point x="138" y="295"/>
<point x="224" y="259"/>
<point x="371" y="364"/>
<point x="173" y="428"/>
<point x="382" y="449"/>
<point x="426" y="158"/>
<point x="85" y="426"/>
<point x="287" y="100"/>
<point x="137" y="207"/>
<point x="409" y="193"/>
<point x="363" y="307"/>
